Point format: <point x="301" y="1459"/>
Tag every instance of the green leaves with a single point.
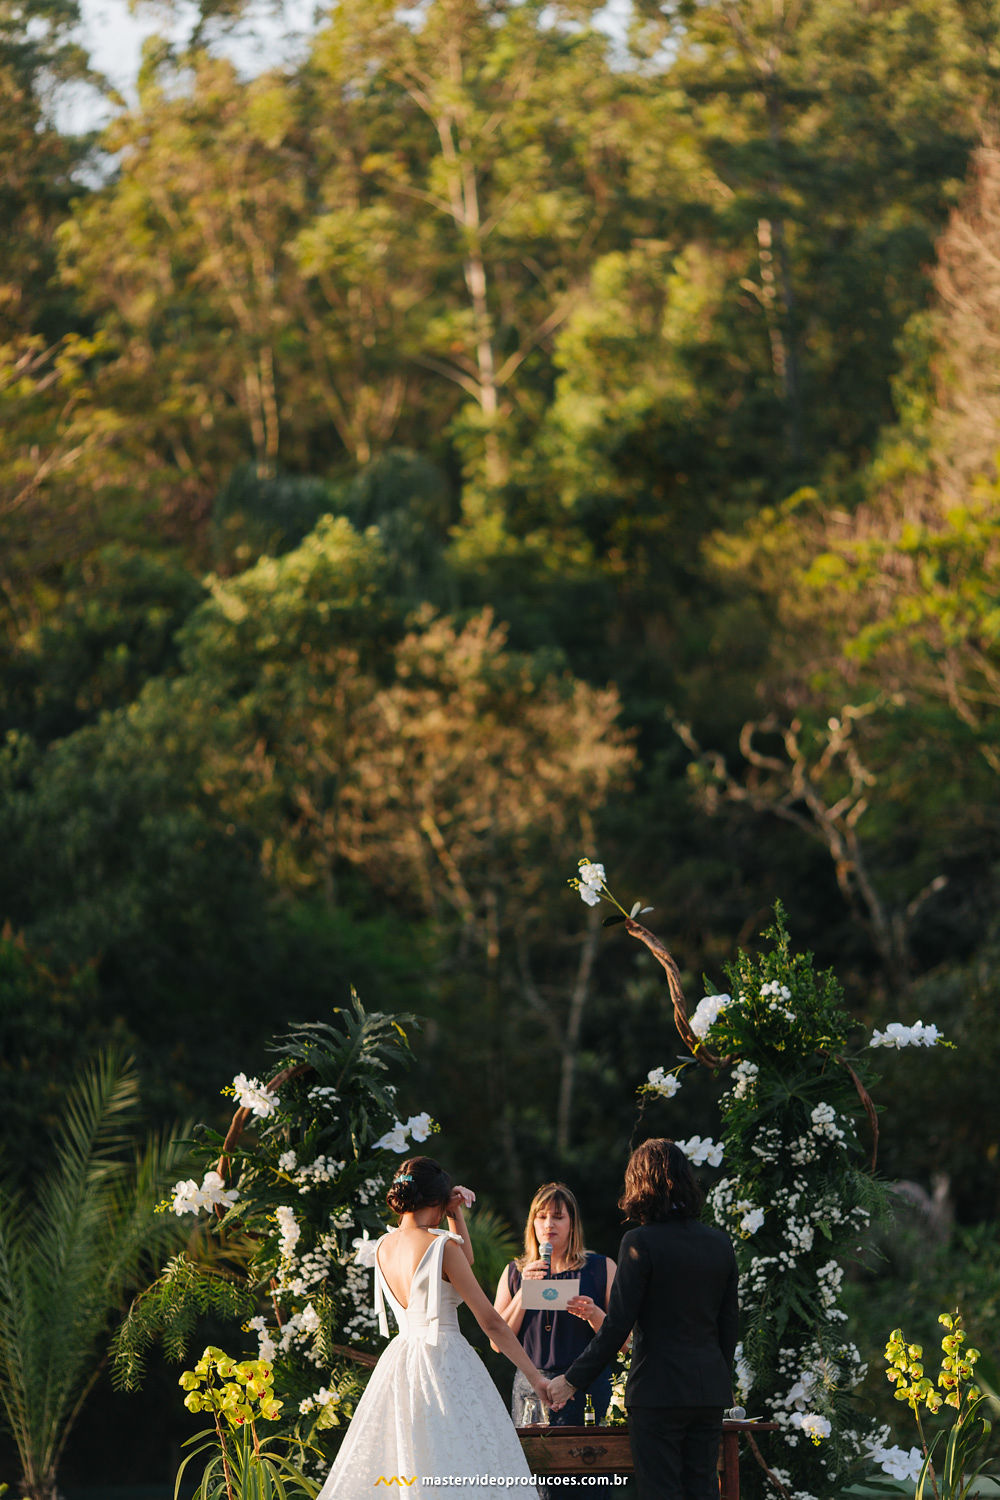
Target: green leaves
<point x="71" y="1245"/>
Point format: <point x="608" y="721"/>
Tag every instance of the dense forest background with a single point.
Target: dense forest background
<point x="482" y="443"/>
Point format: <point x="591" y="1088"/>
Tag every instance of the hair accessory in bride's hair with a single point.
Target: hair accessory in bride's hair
<point x="403" y="1177"/>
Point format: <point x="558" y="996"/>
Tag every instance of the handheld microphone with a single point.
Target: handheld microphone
<point x="545" y="1251"/>
<point x="736" y="1414"/>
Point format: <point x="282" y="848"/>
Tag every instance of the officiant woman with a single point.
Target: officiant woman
<point x="552" y="1340"/>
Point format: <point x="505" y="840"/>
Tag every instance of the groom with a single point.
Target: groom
<point x="676" y="1291"/>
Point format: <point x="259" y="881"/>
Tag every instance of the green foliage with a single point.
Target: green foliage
<point x="254" y="513"/>
<point x="42" y="1017"/>
<point x="245" y="1468"/>
<point x="71" y="1246"/>
<point x="167" y="1312"/>
<point x="305" y="1187"/>
<point x="118" y="613"/>
<point x="797" y="1197"/>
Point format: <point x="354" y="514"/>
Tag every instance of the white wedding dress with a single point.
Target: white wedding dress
<point x="430" y="1411"/>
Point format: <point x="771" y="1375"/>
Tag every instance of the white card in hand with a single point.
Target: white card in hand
<point x="552" y="1295"/>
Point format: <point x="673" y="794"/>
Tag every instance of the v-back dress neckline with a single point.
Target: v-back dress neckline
<point x="413" y="1275"/>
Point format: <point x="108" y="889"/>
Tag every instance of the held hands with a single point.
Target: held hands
<point x="560" y="1391"/>
<point x="540" y="1386"/>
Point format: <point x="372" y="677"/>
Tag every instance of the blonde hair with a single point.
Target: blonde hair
<point x="555" y="1192"/>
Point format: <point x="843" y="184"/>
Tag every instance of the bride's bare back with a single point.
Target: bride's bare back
<point x="399" y="1255"/>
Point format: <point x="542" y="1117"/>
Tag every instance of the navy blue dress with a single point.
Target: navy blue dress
<point x="553" y="1340"/>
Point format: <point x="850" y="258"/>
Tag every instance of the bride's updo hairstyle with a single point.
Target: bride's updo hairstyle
<point x="419" y="1183"/>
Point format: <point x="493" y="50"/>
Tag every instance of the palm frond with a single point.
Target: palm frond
<point x="68" y="1253"/>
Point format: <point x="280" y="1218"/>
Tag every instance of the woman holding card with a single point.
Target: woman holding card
<point x="554" y="1249"/>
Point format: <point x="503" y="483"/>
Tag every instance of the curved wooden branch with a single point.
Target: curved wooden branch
<point x="866" y="1100"/>
<point x="782" y="1490"/>
<point x="359" y="1356"/>
<point x="664" y="957"/>
<point x="240" y="1118"/>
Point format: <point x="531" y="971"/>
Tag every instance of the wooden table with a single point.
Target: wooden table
<point x="605" y="1450"/>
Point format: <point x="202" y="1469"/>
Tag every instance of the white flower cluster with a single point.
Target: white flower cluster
<point x="803" y="1150"/>
<point x="898" y="1035"/>
<point x="751" y="1221"/>
<point x="699" y="1151"/>
<point x="370" y="1189"/>
<point x="419" y="1126"/>
<point x="289" y="1229"/>
<point x="591" y="878"/>
<point x="322" y="1398"/>
<point x="812" y="1424"/>
<point x="768" y="1145"/>
<point x="784" y="1478"/>
<point x="824" y="1122"/>
<point x="744" y="1216"/>
<point x="898" y="1463"/>
<point x="357" y="1290"/>
<point x="299" y="1330"/>
<point x="828" y="1280"/>
<point x="753" y="1282"/>
<point x="322" y="1093"/>
<point x="800" y="1234"/>
<point x="287" y="1161"/>
<point x="658" y="1081"/>
<point x="744" y="1079"/>
<point x="297" y="1274"/>
<point x="189" y="1198"/>
<point x="251" y="1094"/>
<point x="323" y="1169"/>
<point x="707" y="1013"/>
<point x="817" y="1372"/>
<point x="266" y="1348"/>
<point x="776" y="994"/>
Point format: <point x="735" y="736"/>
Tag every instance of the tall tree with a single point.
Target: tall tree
<point x="502" y="156"/>
<point x="884" y="674"/>
<point x="832" y="177"/>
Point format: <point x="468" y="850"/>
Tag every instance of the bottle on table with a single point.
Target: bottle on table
<point x="589" y="1414"/>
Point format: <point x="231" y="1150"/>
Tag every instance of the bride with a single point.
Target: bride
<point x="430" y="1410"/>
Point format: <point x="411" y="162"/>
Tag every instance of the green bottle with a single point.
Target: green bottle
<point x="589" y="1414"/>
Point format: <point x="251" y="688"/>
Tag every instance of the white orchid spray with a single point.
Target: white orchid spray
<point x="592" y="883"/>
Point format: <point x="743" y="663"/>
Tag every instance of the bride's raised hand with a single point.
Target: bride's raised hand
<point x="461" y="1199"/>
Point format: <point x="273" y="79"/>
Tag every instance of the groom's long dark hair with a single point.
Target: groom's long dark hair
<point x="659" y="1184"/>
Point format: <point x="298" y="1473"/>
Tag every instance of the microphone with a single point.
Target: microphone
<point x="545" y="1251"/>
<point x="736" y="1414"/>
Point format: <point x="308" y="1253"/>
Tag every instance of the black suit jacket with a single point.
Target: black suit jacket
<point x="676" y="1290"/>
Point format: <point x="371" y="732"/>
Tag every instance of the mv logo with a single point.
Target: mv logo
<point x="396" y="1479"/>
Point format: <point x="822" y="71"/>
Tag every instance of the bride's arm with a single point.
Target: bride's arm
<point x="500" y="1336"/>
<point x="455" y="1211"/>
